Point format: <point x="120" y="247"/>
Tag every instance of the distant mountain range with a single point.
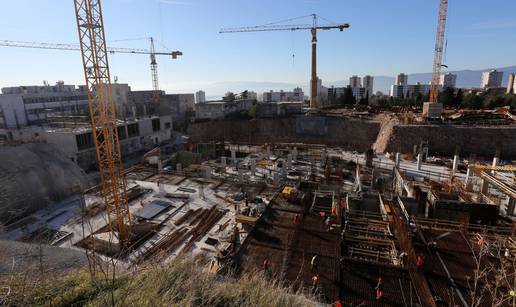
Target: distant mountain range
<point x="465" y="79"/>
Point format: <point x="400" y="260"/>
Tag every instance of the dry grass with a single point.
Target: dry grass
<point x="179" y="284"/>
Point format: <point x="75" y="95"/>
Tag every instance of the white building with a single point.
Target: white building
<point x="401" y="79"/>
<point x="281" y="96"/>
<point x="511" y="84"/>
<point x="219" y="109"/>
<point x="491" y="79"/>
<point x="411" y="90"/>
<point x="448" y="80"/>
<point x="368" y="85"/>
<point x="355" y="82"/>
<point x="200" y="97"/>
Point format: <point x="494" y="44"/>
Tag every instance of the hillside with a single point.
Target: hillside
<point x="177" y="284"/>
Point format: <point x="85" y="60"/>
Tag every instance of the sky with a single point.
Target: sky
<point x="386" y="37"/>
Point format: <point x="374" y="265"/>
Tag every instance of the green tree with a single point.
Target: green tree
<point x="230" y="96"/>
<point x="459" y="97"/>
<point x="348" y="98"/>
<point x="447" y="97"/>
<point x="472" y="101"/>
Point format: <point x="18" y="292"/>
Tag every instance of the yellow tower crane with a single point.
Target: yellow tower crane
<point x="90" y="25"/>
<point x="314" y="27"/>
<point x="433" y="109"/>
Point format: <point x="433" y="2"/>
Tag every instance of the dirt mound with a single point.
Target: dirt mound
<point x="386" y="129"/>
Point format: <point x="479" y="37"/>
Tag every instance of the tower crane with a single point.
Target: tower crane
<point x="314" y="27"/>
<point x="112" y="50"/>
<point x="90" y="25"/>
<point x="437" y="65"/>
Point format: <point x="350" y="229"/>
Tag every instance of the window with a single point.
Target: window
<point x="121" y="132"/>
<point x="133" y="130"/>
<point x="84" y="141"/>
<point x="167" y="125"/>
<point x="156" y="124"/>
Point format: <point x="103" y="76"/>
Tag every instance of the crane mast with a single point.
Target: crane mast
<point x="438" y="55"/>
<point x="92" y="38"/>
<point x="314" y="27"/>
<point x="154" y="71"/>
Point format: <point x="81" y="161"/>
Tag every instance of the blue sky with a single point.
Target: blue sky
<point x="386" y="37"/>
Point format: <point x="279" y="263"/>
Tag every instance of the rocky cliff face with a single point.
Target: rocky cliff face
<point x="33" y="176"/>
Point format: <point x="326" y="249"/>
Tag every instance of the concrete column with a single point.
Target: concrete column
<point x="275" y="179"/>
<point x="466" y="181"/>
<point x="201" y="191"/>
<point x="455" y="164"/>
<point x="233" y="156"/>
<point x="289" y="161"/>
<point x="207" y="172"/>
<point x="294" y="153"/>
<point x="284" y="170"/>
<point x="223" y="161"/>
<point x="484" y="186"/>
<point x="398" y="159"/>
<point x="323" y="155"/>
<point x="419" y="158"/>
<point x="179" y="167"/>
<point x="253" y="167"/>
<point x="268" y="150"/>
<point x="160" y="166"/>
<point x="240" y="176"/>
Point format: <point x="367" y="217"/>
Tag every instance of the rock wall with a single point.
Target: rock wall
<point x="35" y="175"/>
<point x="349" y="133"/>
<point x="443" y="139"/>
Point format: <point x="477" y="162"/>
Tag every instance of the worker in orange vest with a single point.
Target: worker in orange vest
<point x="420" y="261"/>
<point x="295" y="220"/>
<point x="266" y="262"/>
<point x="338" y="303"/>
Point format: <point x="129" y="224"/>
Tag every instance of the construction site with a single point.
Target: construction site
<point x="349" y="207"/>
<point x="276" y="207"/>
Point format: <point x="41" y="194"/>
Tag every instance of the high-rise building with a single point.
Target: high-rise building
<point x="200" y="97"/>
<point x="448" y="80"/>
<point x="368" y="85"/>
<point x="511" y="85"/>
<point x="355" y="82"/>
<point x="281" y="96"/>
<point x="401" y="79"/>
<point x="410" y="90"/>
<point x="491" y="79"/>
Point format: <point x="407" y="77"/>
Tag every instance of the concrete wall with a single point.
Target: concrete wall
<point x="359" y="135"/>
<point x="442" y="139"/>
<point x="351" y="134"/>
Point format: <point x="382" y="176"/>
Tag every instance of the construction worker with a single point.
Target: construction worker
<point x="314" y="263"/>
<point x="295" y="220"/>
<point x="420" y="261"/>
<point x="379" y="289"/>
<point x="265" y="263"/>
<point x="334" y="210"/>
<point x="315" y="282"/>
<point x="327" y="223"/>
<point x="403" y="257"/>
<point x="337" y="303"/>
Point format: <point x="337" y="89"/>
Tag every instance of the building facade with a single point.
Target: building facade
<point x="511" y="84"/>
<point x="355" y="82"/>
<point x="491" y="79"/>
<point x="401" y="79"/>
<point x="135" y="135"/>
<point x="448" y="80"/>
<point x="281" y="96"/>
<point x="410" y="91"/>
<point x="200" y="97"/>
<point x="368" y="82"/>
